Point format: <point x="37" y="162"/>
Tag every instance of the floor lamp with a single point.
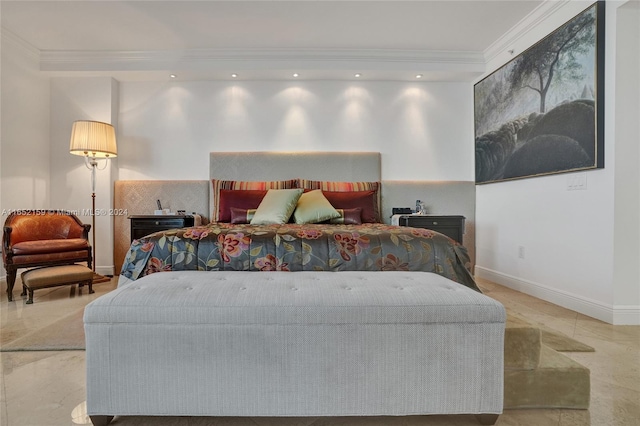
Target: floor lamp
<point x="94" y="141"/>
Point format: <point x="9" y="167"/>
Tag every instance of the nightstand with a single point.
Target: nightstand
<point x="451" y="226"/>
<point x="142" y="225"/>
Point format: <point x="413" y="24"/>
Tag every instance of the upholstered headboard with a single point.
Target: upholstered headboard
<point x="338" y="166"/>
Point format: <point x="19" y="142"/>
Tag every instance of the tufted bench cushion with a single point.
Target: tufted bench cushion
<point x="294" y="344"/>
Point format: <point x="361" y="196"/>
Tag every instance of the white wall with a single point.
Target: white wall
<point x="423" y="130"/>
<point x="568" y="236"/>
<point x="94" y="98"/>
<point x="627" y="158"/>
<point x="24" y="134"/>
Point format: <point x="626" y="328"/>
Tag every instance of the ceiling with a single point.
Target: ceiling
<point x="261" y="39"/>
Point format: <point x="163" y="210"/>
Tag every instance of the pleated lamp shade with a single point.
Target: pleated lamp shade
<point x="93" y="139"/>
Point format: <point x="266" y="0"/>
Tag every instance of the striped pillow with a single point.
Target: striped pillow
<point x="242" y="215"/>
<point x="360" y="187"/>
<point x="218" y="184"/>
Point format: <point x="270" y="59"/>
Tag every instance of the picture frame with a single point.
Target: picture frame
<point x="542" y="113"/>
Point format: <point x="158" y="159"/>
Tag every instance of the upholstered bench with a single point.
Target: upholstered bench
<point x="53" y="276"/>
<point x="294" y="344"/>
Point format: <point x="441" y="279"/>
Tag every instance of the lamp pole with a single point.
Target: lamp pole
<point x="94" y="163"/>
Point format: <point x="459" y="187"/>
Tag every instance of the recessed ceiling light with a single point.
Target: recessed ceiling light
<point x="295" y="74"/>
<point x="234" y="75"/>
<point x="418" y="75"/>
<point x="172" y="75"/>
<point x="357" y="75"/>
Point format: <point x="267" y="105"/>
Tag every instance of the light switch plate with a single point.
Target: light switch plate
<point x="577" y="181"/>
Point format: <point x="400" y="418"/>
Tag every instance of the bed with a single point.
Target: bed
<point x="355" y="241"/>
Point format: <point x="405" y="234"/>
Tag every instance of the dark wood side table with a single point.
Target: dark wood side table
<point x="142" y="225"/>
<point x="451" y="226"/>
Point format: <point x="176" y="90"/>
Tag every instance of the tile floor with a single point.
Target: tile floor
<point x="48" y="388"/>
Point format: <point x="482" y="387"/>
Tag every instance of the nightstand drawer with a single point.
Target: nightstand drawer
<point x="162" y="223"/>
<point x="145" y="225"/>
<point x="451" y="226"/>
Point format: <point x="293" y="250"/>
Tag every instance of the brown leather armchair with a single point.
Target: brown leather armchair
<point x="43" y="238"/>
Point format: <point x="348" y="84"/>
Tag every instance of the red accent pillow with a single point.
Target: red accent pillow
<point x="241" y="199"/>
<point x="366" y="200"/>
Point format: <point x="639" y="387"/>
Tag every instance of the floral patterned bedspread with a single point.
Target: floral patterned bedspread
<point x="291" y="247"/>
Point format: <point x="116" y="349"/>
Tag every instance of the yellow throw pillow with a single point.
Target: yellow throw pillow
<point x="313" y="207"/>
<point x="276" y="206"/>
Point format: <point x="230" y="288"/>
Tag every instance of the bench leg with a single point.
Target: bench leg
<point x="487" y="419"/>
<point x="101" y="420"/>
<point x="30" y="300"/>
<point x="89" y="283"/>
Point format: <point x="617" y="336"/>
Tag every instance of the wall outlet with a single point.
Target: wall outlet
<point x="521" y="252"/>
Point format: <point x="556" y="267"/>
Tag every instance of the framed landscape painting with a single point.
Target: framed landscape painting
<point x="542" y="113"/>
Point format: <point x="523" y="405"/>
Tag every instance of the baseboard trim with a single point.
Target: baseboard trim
<point x="626" y="315"/>
<point x="105" y="270"/>
<point x="612" y="314"/>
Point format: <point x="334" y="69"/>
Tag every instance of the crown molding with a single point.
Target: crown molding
<point x="216" y="59"/>
<point x="14" y="40"/>
<point x="522" y="28"/>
